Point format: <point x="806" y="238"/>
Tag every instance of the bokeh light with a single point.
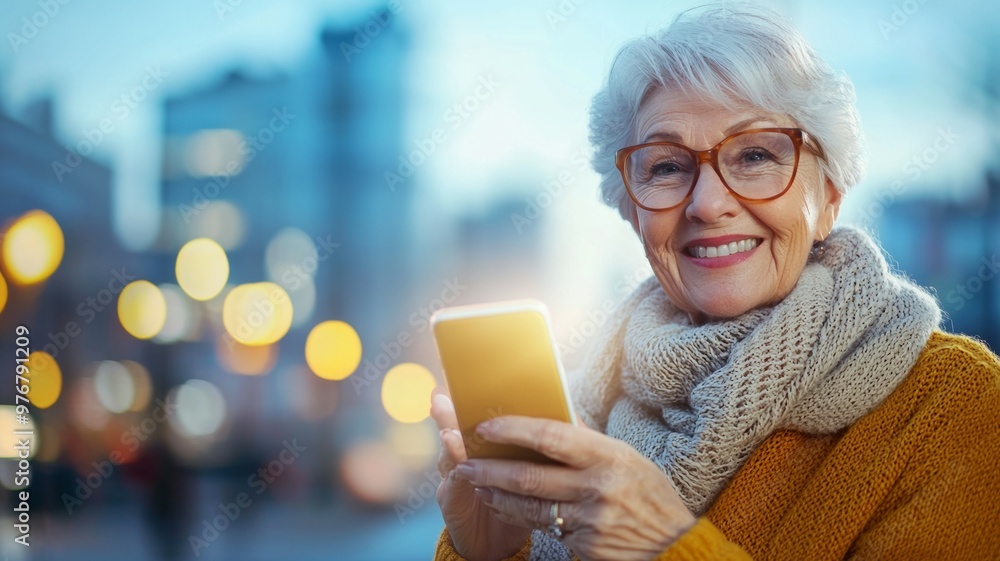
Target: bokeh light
<point x="333" y="350"/>
<point x="372" y="473"/>
<point x="289" y="256"/>
<point x="8" y="439"/>
<point x="33" y="247"/>
<point x="85" y="408"/>
<point x="114" y="386"/>
<point x="183" y="316"/>
<point x="245" y="359"/>
<point x="221" y="221"/>
<point x="215" y="152"/>
<point x="199" y="408"/>
<point x="257" y="313"/>
<point x="202" y="268"/>
<point x="142" y="309"/>
<point x="406" y="392"/>
<point x="3" y="293"/>
<point x="142" y="382"/>
<point x="45" y="379"/>
<point x="416" y="444"/>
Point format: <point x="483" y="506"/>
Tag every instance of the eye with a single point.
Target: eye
<point x="755" y="154"/>
<point x="665" y="168"/>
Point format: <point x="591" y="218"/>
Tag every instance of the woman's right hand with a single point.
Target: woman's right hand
<point x="475" y="532"/>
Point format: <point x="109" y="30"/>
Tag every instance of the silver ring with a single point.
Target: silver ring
<point x="555" y="528"/>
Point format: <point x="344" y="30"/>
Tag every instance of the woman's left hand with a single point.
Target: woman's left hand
<point x="615" y="503"/>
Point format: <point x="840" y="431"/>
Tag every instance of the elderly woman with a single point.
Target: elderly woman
<point x="775" y="391"/>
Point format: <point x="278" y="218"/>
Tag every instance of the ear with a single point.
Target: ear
<point x="829" y="211"/>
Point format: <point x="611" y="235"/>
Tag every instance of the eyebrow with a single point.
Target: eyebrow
<point x="674" y="137"/>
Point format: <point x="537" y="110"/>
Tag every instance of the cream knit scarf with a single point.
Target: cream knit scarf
<point x="698" y="399"/>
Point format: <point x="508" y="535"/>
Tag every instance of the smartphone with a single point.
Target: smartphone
<point x="501" y="359"/>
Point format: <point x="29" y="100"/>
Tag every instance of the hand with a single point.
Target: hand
<point x="615" y="503"/>
<point x="476" y="532"/>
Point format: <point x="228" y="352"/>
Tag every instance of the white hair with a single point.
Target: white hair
<point x="729" y="54"/>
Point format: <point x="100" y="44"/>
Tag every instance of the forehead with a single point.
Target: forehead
<point x="690" y="116"/>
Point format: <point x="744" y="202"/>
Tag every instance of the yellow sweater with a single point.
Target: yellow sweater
<point x="916" y="478"/>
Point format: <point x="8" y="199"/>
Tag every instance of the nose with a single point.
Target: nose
<point x="710" y="201"/>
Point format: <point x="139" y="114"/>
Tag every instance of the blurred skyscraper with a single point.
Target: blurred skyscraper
<point x="303" y="149"/>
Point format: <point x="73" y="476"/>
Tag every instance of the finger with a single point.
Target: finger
<point x="572" y="445"/>
<point x="525" y="478"/>
<point x="452" y="451"/>
<point x="443" y="411"/>
<point x="532" y="512"/>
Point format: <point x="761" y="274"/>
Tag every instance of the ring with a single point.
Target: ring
<point x="555" y="528"/>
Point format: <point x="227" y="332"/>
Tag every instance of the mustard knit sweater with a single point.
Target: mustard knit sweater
<point x="916" y="478"/>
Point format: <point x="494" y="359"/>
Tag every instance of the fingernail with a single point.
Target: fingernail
<point x="485" y="495"/>
<point x="465" y="471"/>
<point x="485" y="428"/>
<point x="439" y="400"/>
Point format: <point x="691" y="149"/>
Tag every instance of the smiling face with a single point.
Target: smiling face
<point x="772" y="239"/>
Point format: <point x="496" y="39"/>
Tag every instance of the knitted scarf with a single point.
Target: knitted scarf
<point x="697" y="400"/>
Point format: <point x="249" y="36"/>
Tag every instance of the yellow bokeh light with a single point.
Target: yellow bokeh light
<point x="333" y="350"/>
<point x="9" y="440"/>
<point x="406" y="392"/>
<point x="142" y="309"/>
<point x="414" y="443"/>
<point x="257" y="313"/>
<point x="3" y="293"/>
<point x="202" y="268"/>
<point x="44" y="379"/>
<point x="33" y="247"/>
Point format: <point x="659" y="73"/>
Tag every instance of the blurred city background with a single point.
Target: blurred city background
<point x="226" y="224"/>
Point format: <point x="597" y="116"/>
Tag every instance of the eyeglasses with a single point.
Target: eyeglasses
<point x="755" y="165"/>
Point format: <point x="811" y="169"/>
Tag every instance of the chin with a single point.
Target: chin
<point x="723" y="307"/>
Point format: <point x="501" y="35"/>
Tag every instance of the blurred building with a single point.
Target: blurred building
<point x="37" y="172"/>
<point x="955" y="249"/>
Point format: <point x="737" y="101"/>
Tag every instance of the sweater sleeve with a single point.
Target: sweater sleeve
<point x="446" y="550"/>
<point x="703" y="542"/>
<point x="947" y="505"/>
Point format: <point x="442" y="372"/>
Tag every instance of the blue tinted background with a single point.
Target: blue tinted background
<point x="435" y="153"/>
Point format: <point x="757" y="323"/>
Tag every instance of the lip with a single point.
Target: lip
<point x="719" y="262"/>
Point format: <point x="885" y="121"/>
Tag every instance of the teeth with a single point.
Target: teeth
<point x="723" y="250"/>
